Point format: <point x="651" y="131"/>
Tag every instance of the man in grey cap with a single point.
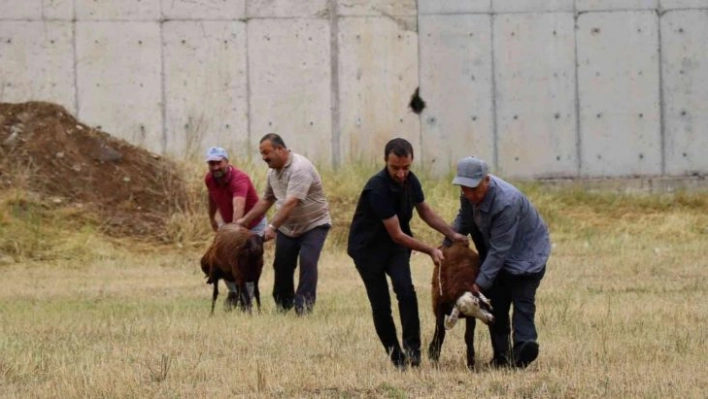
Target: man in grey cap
<point x="513" y="244"/>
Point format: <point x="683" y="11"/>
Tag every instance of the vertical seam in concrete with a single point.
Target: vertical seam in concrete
<point x="334" y="83"/>
<point x="495" y="135"/>
<point x="662" y="108"/>
<point x="163" y="80"/>
<point x="249" y="118"/>
<point x="75" y="49"/>
<point x="578" y="135"/>
<point x="420" y="80"/>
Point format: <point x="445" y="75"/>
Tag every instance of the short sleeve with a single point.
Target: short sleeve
<point x="299" y="184"/>
<point x="268" y="193"/>
<point x="417" y="190"/>
<point x="239" y="186"/>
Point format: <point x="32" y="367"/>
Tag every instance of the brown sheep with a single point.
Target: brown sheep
<point x="452" y="294"/>
<point x="235" y="255"/>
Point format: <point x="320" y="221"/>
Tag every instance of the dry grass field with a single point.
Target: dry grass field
<point x="621" y="312"/>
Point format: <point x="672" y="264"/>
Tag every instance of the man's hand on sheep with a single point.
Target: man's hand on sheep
<point x="437" y="256"/>
<point x="475" y="289"/>
<point x="269" y="233"/>
<point x="459" y="238"/>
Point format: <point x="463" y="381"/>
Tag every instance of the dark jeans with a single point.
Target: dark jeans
<point x="307" y="248"/>
<point x="373" y="268"/>
<point x="519" y="291"/>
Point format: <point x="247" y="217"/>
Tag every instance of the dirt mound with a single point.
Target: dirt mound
<point x="132" y="190"/>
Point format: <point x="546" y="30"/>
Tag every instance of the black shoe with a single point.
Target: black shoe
<point x="525" y="353"/>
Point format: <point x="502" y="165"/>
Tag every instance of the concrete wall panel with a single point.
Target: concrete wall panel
<point x="456" y="85"/>
<point x="377" y="7"/>
<point x="535" y="92"/>
<point x="427" y="7"/>
<point x="207" y="102"/>
<point x="501" y="6"/>
<point x="618" y="80"/>
<point x="378" y="67"/>
<point x="287" y="8"/>
<point x="37" y="62"/>
<point x="13" y="9"/>
<point x="289" y="67"/>
<point x="36" y="9"/>
<point x="132" y="10"/>
<point x="119" y="80"/>
<point x="673" y="4"/>
<point x="685" y="77"/>
<point x="204" y="9"/>
<point x="593" y="5"/>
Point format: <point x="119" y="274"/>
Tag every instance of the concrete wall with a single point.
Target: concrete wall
<point x="539" y="88"/>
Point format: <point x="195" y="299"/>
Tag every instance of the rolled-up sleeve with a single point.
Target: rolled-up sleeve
<point x="501" y="238"/>
<point x="461" y="224"/>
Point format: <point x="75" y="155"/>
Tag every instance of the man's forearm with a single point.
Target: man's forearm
<point x="239" y="206"/>
<point x="436" y="222"/>
<point x="284" y="212"/>
<point x="411" y="243"/>
<point x="211" y="208"/>
<point x="258" y="210"/>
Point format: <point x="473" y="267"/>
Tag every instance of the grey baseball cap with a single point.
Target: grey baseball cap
<point x="470" y="172"/>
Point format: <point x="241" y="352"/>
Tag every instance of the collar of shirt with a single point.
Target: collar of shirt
<point x="279" y="173"/>
<point x="392" y="184"/>
<point x="227" y="176"/>
<point x="486" y="203"/>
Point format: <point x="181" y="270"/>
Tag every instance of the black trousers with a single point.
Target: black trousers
<point x="373" y="268"/>
<point x="519" y="291"/>
<point x="307" y="248"/>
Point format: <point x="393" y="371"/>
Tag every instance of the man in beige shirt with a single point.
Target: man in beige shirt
<point x="300" y="224"/>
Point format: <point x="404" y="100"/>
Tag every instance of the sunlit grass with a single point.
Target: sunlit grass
<point x="621" y="311"/>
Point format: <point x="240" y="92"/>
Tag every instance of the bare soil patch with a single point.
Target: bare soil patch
<point x="131" y="190"/>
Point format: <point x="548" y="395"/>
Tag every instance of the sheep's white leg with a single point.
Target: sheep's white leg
<point x="451" y="320"/>
<point x="231" y="286"/>
<point x="250" y="288"/>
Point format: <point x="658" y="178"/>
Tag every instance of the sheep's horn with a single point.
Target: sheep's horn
<point x="485" y="300"/>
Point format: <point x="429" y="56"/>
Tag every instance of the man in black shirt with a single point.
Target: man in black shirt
<point x="380" y="243"/>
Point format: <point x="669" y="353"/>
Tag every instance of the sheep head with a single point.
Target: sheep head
<point x="250" y="257"/>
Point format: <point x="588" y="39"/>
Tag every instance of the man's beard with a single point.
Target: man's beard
<point x="218" y="174"/>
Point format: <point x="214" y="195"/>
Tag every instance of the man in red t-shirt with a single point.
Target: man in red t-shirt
<point x="231" y="191"/>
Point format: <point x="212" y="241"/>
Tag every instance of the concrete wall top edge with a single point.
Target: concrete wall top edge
<point x="377" y="7"/>
<point x="608" y="5"/>
<point x="287" y="8"/>
<point x="36" y="9"/>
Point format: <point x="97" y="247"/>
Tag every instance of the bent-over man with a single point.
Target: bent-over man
<point x="514" y="246"/>
<point x="301" y="222"/>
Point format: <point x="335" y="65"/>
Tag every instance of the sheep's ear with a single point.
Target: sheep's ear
<point x="254" y="243"/>
<point x="257" y="240"/>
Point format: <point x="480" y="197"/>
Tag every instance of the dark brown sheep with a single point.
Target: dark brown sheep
<point x="453" y="298"/>
<point x="235" y="255"/>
